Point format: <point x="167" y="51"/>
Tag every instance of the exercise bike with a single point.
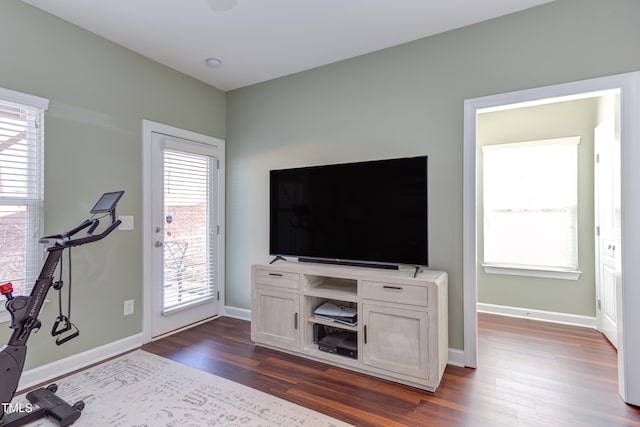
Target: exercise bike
<point x="24" y="311"/>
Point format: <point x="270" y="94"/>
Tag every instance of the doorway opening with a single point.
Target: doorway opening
<point x="627" y="315"/>
<point x="548" y="206"/>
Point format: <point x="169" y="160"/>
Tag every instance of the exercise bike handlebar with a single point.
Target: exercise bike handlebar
<point x="64" y="240"/>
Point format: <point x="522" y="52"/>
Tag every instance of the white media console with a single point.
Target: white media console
<point x="402" y="329"/>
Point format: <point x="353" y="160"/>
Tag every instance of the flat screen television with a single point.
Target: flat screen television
<point x="371" y="213"/>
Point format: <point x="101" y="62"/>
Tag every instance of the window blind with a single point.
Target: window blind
<point x="189" y="252"/>
<point x="530" y="204"/>
<point x="21" y="187"/>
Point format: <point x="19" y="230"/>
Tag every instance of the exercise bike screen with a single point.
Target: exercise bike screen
<point x="107" y="202"/>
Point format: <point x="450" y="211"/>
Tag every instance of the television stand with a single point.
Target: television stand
<point x="277" y="258"/>
<point x="401" y="327"/>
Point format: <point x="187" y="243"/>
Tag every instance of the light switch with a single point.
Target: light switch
<point x="127" y="222"/>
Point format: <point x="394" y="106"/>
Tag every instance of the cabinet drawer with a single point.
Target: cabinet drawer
<point x="277" y="278"/>
<point x="394" y="292"/>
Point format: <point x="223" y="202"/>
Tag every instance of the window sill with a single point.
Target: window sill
<point x="531" y="271"/>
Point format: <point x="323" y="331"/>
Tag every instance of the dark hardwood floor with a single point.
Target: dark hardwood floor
<point x="530" y="374"/>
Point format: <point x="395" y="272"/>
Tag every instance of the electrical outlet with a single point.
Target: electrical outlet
<point x="128" y="307"/>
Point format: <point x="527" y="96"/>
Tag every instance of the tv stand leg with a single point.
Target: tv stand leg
<point x="278" y="257"/>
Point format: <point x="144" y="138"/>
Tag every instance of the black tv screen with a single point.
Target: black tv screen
<point x="370" y="212"/>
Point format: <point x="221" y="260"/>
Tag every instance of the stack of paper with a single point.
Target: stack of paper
<point x="334" y="313"/>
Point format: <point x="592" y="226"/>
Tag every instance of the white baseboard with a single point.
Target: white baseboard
<point x="545" y="316"/>
<point x="60" y="367"/>
<point x="237" y="313"/>
<point x="456" y="357"/>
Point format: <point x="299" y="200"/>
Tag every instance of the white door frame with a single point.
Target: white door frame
<point x="148" y="128"/>
<point x="628" y="313"/>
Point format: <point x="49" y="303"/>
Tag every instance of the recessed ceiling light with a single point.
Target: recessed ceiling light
<point x="213" y="62"/>
<point x="222" y="5"/>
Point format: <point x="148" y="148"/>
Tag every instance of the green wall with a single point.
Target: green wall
<point x="402" y="101"/>
<point x="99" y="93"/>
<point x="573" y="118"/>
<point x="408" y="100"/>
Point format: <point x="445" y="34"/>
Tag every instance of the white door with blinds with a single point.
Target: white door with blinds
<point x="185" y="232"/>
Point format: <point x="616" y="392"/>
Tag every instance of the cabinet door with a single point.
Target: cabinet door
<point x="396" y="340"/>
<point x="275" y="318"/>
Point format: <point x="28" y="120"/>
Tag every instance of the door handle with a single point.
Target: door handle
<point x="158" y="244"/>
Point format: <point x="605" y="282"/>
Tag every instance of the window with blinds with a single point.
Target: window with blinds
<point x="530" y="204"/>
<point x="189" y="246"/>
<point x="21" y="188"/>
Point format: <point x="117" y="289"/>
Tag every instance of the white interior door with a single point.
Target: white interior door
<point x="185" y="232"/>
<point x="608" y="227"/>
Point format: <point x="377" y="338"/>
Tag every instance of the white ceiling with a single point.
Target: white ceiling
<point x="259" y="40"/>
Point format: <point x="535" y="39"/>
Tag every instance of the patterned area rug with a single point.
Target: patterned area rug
<point x="142" y="389"/>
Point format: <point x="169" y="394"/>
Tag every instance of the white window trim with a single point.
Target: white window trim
<point x="31" y="101"/>
<point x="24" y="98"/>
<point x="532" y="271"/>
<point x="547" y="272"/>
<point x="553" y="141"/>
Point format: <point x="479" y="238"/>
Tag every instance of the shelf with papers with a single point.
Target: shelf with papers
<point x="314" y="319"/>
